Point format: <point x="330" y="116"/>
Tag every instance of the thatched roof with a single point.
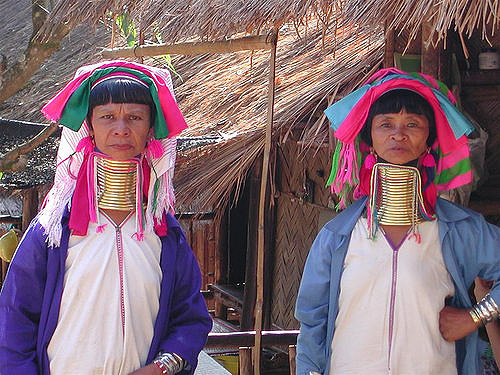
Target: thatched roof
<point x="41" y="161"/>
<point x="181" y="20"/>
<point x="463" y="16"/>
<point x="82" y="45"/>
<point x="214" y="19"/>
<point x="227" y="95"/>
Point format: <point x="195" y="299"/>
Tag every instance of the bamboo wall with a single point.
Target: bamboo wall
<point x="301" y="210"/>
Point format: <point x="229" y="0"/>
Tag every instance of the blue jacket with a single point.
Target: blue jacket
<point x="31" y="298"/>
<point x="470" y="247"/>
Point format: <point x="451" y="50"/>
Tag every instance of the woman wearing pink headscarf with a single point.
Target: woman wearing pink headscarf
<point x="103" y="281"/>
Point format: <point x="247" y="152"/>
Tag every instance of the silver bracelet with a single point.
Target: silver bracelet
<point x="485" y="310"/>
<point x="169" y="363"/>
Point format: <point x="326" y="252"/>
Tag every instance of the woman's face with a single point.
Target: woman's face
<point x="399" y="137"/>
<point x="120" y="130"/>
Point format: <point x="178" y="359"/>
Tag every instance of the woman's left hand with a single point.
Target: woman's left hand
<point x="455" y="324"/>
<point x="150" y="369"/>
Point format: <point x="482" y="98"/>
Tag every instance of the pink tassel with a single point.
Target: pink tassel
<point x="418" y="238"/>
<point x="428" y="160"/>
<point x="86" y="145"/>
<point x="370" y="161"/>
<point x="100" y="228"/>
<point x="138" y="236"/>
<point x="154" y="149"/>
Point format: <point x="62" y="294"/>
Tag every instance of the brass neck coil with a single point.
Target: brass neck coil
<point x="398" y="195"/>
<point x="116" y="184"/>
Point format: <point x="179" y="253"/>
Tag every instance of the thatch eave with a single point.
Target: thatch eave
<point x="189" y="20"/>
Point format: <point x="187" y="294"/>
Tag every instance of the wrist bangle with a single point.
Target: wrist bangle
<point x="169" y="363"/>
<point x="161" y="366"/>
<point x="485" y="311"/>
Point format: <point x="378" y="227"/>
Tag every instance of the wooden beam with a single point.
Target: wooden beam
<point x="261" y="234"/>
<point x="238" y="339"/>
<point x="247" y="43"/>
<point x="389" y="48"/>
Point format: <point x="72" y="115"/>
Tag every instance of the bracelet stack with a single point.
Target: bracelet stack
<point x="485" y="311"/>
<point x="169" y="363"/>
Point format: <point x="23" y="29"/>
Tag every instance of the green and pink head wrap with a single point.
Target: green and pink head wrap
<point x="70" y="107"/>
<point x="348" y="116"/>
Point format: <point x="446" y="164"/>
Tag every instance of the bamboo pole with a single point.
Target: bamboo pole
<point x="254" y="42"/>
<point x="262" y="201"/>
<point x="389" y="47"/>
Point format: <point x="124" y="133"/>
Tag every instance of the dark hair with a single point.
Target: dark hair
<point x="120" y="90"/>
<point x="393" y="102"/>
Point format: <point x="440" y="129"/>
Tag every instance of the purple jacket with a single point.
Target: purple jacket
<point x="31" y="296"/>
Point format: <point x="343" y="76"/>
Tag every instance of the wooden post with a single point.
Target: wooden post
<point x="431" y="56"/>
<point x="245" y="361"/>
<point x="141" y="42"/>
<point x="291" y="358"/>
<point x="262" y="209"/>
<point x="389" y="48"/>
<point x="30" y="206"/>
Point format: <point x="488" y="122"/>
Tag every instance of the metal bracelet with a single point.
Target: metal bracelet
<point x="485" y="310"/>
<point x="161" y="366"/>
<point x="169" y="363"/>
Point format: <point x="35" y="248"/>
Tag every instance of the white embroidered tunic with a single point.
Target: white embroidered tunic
<point x="109" y="303"/>
<point x="389" y="303"/>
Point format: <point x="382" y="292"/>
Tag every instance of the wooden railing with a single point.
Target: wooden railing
<point x="244" y="341"/>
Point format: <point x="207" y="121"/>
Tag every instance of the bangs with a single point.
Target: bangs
<point x="120" y="90"/>
<point x="395" y="101"/>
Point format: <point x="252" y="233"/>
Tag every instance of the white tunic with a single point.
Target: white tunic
<point x="390" y="298"/>
<point x="109" y="303"/>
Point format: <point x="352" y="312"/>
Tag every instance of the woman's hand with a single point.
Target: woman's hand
<point x="481" y="288"/>
<point x="455" y="324"/>
<point x="150" y="369"/>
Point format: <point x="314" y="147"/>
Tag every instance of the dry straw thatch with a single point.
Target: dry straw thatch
<point x="228" y="95"/>
<point x="179" y="20"/>
<point x="464" y="16"/>
<point x="212" y="19"/>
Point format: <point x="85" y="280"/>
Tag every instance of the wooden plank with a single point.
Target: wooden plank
<point x="30" y="206"/>
<point x="245" y="361"/>
<point x="291" y="358"/>
<point x="389" y="48"/>
<point x="431" y="56"/>
<point x="247" y="43"/>
<point x="247" y="338"/>
<point x="247" y="316"/>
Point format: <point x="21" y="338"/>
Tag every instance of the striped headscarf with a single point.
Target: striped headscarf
<point x="348" y="116"/>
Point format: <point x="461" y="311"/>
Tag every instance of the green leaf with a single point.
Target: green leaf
<point x="127" y="28"/>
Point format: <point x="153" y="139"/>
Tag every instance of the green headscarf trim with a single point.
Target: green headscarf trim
<point x="77" y="106"/>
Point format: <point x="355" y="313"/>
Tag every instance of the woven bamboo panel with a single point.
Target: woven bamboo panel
<point x="296" y="167"/>
<point x="301" y="177"/>
<point x="295" y="232"/>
